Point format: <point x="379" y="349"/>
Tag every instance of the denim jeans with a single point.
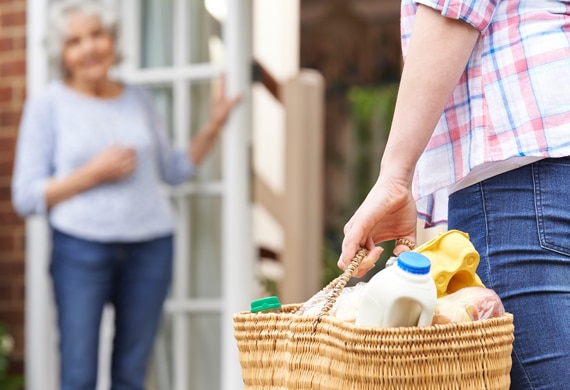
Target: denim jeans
<point x="519" y="222"/>
<point x="86" y="275"/>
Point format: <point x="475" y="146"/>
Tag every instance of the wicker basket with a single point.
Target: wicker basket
<point x="289" y="351"/>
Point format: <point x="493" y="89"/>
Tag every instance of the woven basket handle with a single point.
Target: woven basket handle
<point x="338" y="284"/>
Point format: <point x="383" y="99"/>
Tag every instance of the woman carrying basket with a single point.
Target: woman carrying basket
<point x="480" y="139"/>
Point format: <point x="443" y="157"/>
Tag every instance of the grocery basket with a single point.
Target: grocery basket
<point x="289" y="351"/>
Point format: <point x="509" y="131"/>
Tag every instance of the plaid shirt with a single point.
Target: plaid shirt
<point x="512" y="100"/>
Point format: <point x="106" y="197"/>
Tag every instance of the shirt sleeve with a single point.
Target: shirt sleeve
<point x="33" y="164"/>
<point x="175" y="164"/>
<point x="477" y="13"/>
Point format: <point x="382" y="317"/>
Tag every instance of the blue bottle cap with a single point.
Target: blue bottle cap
<point x="414" y="263"/>
<point x="265" y="304"/>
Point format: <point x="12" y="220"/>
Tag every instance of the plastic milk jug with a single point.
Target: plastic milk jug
<point x="401" y="295"/>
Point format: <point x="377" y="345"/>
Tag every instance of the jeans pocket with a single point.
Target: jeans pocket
<point x="552" y="190"/>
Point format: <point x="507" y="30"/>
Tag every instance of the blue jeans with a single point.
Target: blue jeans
<point x="86" y="275"/>
<point x="519" y="222"/>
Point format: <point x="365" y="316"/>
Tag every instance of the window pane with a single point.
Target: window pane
<point x="205" y="246"/>
<point x="163" y="99"/>
<point x="205" y="32"/>
<point x="201" y="99"/>
<point x="204" y="349"/>
<point x="157" y="33"/>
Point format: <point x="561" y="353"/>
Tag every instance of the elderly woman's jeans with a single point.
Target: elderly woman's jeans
<point x="519" y="223"/>
<point x="86" y="275"/>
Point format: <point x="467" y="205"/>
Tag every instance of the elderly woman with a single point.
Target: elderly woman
<point x="92" y="155"/>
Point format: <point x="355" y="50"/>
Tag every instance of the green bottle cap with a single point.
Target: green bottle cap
<point x="267" y="303"/>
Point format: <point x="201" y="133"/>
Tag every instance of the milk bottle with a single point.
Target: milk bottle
<point x="401" y="295"/>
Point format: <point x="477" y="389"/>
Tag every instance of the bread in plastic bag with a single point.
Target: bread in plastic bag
<point x="345" y="308"/>
<point x="468" y="304"/>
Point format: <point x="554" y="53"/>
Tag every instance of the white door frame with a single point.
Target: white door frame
<point x="238" y="257"/>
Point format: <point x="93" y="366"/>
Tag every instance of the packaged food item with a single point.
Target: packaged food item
<point x="454" y="261"/>
<point x="346" y="305"/>
<point x="468" y="304"/>
<point x="401" y="295"/>
<point x="266" y="305"/>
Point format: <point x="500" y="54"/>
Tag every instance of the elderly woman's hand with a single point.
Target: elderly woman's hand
<point x="113" y="163"/>
<point x="222" y="106"/>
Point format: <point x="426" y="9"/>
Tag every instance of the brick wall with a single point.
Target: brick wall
<point x="12" y="95"/>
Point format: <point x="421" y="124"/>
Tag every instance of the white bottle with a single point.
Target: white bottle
<point x="401" y="295"/>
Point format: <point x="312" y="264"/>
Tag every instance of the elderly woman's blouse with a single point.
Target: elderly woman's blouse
<point x="61" y="130"/>
<point x="512" y="104"/>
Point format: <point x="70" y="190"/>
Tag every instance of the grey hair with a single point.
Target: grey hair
<point x="57" y="26"/>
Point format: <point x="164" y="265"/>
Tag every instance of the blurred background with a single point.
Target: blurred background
<point x="266" y="212"/>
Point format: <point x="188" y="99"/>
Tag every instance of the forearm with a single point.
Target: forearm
<point x="202" y="143"/>
<point x="58" y="190"/>
<point x="438" y="52"/>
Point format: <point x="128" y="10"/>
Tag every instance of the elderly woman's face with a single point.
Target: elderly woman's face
<point x="89" y="49"/>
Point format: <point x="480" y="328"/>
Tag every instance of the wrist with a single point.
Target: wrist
<point x="397" y="171"/>
<point x="91" y="176"/>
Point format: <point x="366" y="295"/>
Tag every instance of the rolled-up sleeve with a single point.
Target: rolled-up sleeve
<point x="33" y="165"/>
<point x="477" y="13"/>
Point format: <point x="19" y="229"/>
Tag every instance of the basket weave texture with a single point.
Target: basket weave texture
<point x="289" y="351"/>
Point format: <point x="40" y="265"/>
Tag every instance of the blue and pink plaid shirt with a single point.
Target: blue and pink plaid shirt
<point x="512" y="101"/>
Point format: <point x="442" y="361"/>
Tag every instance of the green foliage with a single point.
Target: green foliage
<point x="330" y="258"/>
<point x="269" y="285"/>
<point x="7" y="382"/>
<point x="371" y="112"/>
<point x="368" y="104"/>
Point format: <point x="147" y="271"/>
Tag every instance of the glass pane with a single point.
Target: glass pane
<point x="204" y="347"/>
<point x="157" y="33"/>
<point x="201" y="99"/>
<point x="163" y="99"/>
<point x="205" y="31"/>
<point x="205" y="246"/>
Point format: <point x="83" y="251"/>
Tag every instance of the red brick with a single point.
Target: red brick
<point x="6" y="43"/>
<point x="19" y="289"/>
<point x="13" y="43"/>
<point x="7" y="243"/>
<point x="9" y="217"/>
<point x="19" y="43"/>
<point x="8" y="144"/>
<point x="10" y="118"/>
<point x="13" y="68"/>
<point x="19" y="92"/>
<point x="5" y="292"/>
<point x="12" y="231"/>
<point x="17" y="18"/>
<point x="11" y="267"/>
<point x="12" y="289"/>
<point x="5" y="94"/>
<point x="6" y="167"/>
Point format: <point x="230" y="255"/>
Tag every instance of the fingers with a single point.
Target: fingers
<point x="220" y="87"/>
<point x="234" y="102"/>
<point x="119" y="161"/>
<point x="404" y="247"/>
<point x="369" y="262"/>
<point x="350" y="247"/>
<point x="127" y="161"/>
